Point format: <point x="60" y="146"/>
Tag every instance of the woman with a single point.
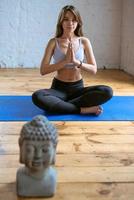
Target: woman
<point x="67" y="94"/>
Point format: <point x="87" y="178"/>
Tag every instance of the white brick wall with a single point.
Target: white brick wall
<point x="27" y="25"/>
<point x="127" y="44"/>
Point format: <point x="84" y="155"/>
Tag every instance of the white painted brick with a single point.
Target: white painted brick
<point x="127" y="37"/>
<point x="27" y="25"/>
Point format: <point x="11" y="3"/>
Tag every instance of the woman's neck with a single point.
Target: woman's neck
<point x="68" y="35"/>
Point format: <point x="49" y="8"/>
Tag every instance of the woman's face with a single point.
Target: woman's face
<point x="69" y="22"/>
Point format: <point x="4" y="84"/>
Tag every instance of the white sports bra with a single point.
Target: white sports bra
<point x="59" y="55"/>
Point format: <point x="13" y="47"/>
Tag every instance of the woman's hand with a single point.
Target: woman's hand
<point x="73" y="58"/>
<point x="70" y="56"/>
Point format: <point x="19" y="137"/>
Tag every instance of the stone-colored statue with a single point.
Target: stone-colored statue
<point x="37" y="142"/>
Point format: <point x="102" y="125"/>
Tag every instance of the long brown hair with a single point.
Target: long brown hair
<point x="59" y="30"/>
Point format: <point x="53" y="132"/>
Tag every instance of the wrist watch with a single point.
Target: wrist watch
<point x="79" y="66"/>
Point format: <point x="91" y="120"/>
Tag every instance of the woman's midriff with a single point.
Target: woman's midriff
<point x="69" y="75"/>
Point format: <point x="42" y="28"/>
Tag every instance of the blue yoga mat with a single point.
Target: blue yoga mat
<point x="21" y="108"/>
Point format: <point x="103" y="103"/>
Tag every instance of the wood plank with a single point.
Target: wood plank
<point x="117" y="134"/>
<point x="81" y="174"/>
<point x="78" y="160"/>
<point x="81" y="144"/>
<point x="26" y="81"/>
<point x="76" y="128"/>
<point x="79" y="191"/>
<point x="76" y="147"/>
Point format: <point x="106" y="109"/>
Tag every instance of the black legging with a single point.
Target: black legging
<point x="69" y="97"/>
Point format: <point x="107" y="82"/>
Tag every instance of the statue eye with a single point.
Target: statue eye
<point x="28" y="149"/>
<point x="44" y="150"/>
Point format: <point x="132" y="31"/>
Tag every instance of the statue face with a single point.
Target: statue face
<point x="37" y="154"/>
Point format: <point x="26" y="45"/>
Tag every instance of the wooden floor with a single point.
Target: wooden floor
<point x="95" y="160"/>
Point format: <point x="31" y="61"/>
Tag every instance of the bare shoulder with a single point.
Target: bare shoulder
<point x="50" y="47"/>
<point x="51" y="43"/>
<point x="85" y="41"/>
<point x="49" y="50"/>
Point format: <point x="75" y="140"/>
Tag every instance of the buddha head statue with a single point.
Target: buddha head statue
<point x="38" y="140"/>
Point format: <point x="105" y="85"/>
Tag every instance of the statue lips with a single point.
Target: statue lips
<point x="36" y="163"/>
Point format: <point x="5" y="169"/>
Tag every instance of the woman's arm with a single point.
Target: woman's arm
<point x="91" y="65"/>
<point x="46" y="67"/>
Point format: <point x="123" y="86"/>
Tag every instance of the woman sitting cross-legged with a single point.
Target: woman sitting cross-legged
<point x="68" y="48"/>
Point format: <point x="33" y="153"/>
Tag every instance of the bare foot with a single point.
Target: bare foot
<point x="97" y="110"/>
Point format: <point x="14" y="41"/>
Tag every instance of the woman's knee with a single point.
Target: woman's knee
<point x="35" y="96"/>
<point x="108" y="92"/>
